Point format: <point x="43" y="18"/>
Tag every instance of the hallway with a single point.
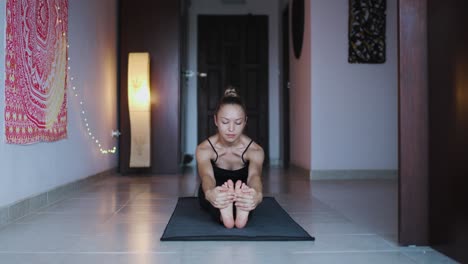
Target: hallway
<point x="120" y="220"/>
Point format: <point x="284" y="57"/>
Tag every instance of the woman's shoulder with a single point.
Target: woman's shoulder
<point x="254" y="149"/>
<point x="250" y="143"/>
<point x="205" y="147"/>
<point x="207" y="142"/>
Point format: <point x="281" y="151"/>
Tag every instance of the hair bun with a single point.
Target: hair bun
<point x="230" y="97"/>
<point x="231" y="92"/>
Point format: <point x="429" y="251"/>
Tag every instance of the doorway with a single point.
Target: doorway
<point x="233" y="50"/>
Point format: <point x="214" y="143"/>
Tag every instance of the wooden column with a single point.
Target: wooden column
<point x="413" y="123"/>
<point x="448" y="101"/>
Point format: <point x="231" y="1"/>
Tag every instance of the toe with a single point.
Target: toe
<point x="238" y="185"/>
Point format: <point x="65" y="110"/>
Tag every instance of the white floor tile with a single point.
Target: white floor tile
<point x="121" y="219"/>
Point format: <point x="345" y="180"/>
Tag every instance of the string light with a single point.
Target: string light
<point x="83" y="113"/>
<point x="84" y="118"/>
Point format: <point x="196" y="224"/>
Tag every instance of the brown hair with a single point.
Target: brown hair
<point x="231" y="97"/>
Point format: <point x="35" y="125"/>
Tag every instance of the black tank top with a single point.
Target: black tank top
<point x="222" y="175"/>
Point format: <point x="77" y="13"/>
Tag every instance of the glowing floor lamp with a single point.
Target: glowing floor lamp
<point x="139" y="107"/>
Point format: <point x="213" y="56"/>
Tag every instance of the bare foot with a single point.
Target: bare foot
<point x="241" y="216"/>
<point x="227" y="216"/>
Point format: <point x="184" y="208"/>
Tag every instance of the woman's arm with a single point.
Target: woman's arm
<point x="218" y="196"/>
<point x="251" y="196"/>
<point x="205" y="170"/>
<point x="254" y="180"/>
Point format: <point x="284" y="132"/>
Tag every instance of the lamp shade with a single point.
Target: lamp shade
<point x="139" y="106"/>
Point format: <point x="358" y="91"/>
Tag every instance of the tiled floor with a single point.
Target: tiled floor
<point x="120" y="220"/>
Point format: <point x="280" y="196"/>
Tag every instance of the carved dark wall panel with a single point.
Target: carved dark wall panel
<point x="154" y="27"/>
<point x="367" y="31"/>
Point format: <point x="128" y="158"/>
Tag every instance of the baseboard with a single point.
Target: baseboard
<point x="17" y="210"/>
<point x="277" y="163"/>
<point x="353" y="174"/>
<point x="299" y="170"/>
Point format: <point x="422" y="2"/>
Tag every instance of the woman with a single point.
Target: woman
<point x="230" y="166"/>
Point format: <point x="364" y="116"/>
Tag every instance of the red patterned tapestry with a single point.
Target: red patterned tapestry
<point x="36" y="71"/>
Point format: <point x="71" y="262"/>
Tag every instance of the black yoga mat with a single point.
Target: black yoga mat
<point x="269" y="222"/>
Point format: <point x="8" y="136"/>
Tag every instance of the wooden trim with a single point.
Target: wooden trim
<point x="413" y="123"/>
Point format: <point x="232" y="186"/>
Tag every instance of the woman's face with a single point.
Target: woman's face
<point x="230" y="121"/>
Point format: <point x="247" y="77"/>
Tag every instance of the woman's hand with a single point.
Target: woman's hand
<point x="247" y="198"/>
<point x="220" y="197"/>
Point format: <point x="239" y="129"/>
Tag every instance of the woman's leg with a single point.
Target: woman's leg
<point x="205" y="205"/>
<point x="227" y="214"/>
<point x="241" y="216"/>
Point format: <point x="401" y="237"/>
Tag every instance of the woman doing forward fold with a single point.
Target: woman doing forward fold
<point x="230" y="166"/>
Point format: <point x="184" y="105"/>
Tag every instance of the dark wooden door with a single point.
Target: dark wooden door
<point x="233" y="50"/>
<point x="285" y="89"/>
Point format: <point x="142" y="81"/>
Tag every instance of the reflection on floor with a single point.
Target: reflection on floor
<point x="120" y="220"/>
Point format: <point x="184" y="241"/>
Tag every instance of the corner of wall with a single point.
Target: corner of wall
<point x="2" y="65"/>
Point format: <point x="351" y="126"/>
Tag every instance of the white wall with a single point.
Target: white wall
<point x="255" y="7"/>
<point x="300" y="99"/>
<point x="33" y="169"/>
<point x="354" y="106"/>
